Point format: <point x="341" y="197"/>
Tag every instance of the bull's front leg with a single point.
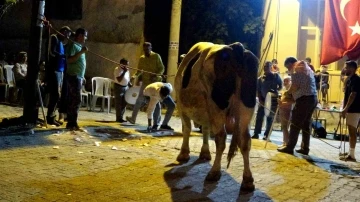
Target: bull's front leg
<point x="205" y="151"/>
<point x="215" y="172"/>
<point x="184" y="155"/>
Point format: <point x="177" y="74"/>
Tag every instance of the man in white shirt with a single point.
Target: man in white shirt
<point x="159" y="92"/>
<point x="122" y="81"/>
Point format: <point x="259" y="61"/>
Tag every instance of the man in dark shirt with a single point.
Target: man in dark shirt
<point x="351" y="109"/>
<point x="55" y="70"/>
<point x="269" y="82"/>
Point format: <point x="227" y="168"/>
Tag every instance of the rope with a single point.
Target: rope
<point x="47" y="23"/>
<point x="300" y="127"/>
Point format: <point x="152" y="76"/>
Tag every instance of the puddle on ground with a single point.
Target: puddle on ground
<point x="114" y="133"/>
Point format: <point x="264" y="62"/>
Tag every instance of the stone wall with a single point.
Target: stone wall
<point x="115" y="30"/>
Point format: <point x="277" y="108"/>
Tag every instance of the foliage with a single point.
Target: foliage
<point x="221" y="21"/>
<point x="6" y="6"/>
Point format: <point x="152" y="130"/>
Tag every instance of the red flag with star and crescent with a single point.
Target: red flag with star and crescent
<point x="341" y="35"/>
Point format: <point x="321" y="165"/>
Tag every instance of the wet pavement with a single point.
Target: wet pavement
<point x="113" y="162"/>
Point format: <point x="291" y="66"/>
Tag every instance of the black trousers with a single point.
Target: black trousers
<point x="74" y="99"/>
<point x="301" y="120"/>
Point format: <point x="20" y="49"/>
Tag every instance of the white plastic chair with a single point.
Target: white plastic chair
<point x="10" y="80"/>
<point x="101" y="88"/>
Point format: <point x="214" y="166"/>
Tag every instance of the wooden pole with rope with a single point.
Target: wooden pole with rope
<point x="30" y="112"/>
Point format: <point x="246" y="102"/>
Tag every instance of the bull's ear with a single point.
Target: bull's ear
<point x="238" y="51"/>
<point x="222" y="63"/>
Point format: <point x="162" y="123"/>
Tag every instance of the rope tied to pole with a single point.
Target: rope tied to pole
<point x="48" y="24"/>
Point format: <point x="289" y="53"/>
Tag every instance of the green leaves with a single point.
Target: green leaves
<point x="223" y="21"/>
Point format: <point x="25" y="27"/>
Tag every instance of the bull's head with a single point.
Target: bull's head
<point x="232" y="61"/>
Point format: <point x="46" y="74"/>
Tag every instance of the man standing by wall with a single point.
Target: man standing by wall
<point x="55" y="70"/>
<point x="303" y="90"/>
<point x="351" y="109"/>
<point x="150" y="62"/>
<point x="76" y="62"/>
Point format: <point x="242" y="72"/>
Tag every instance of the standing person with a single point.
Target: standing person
<point x="159" y="92"/>
<point x="20" y="70"/>
<point x="351" y="109"/>
<point x="150" y="62"/>
<point x="308" y="61"/>
<point x="285" y="106"/>
<point x="76" y="66"/>
<point x="55" y="71"/>
<point x="122" y="81"/>
<point x="275" y="68"/>
<point x="269" y="82"/>
<point x="303" y="90"/>
<point x="324" y="83"/>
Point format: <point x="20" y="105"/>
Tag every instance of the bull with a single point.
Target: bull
<point x="215" y="87"/>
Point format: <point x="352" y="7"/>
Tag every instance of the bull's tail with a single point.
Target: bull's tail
<point x="232" y="149"/>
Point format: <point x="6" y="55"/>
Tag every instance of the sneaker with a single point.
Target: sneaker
<point x="154" y="127"/>
<point x="348" y="158"/>
<point x="255" y="136"/>
<point x="166" y="127"/>
<point x="128" y="118"/>
<point x="51" y="121"/>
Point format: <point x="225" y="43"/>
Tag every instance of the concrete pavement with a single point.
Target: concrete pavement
<point x="58" y="165"/>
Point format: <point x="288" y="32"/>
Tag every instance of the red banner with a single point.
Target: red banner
<point x="341" y="35"/>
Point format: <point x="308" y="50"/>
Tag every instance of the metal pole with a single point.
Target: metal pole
<point x="30" y="110"/>
<point x="174" y="42"/>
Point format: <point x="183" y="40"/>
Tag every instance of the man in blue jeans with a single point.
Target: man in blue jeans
<point x="269" y="82"/>
<point x="55" y="70"/>
<point x="159" y="92"/>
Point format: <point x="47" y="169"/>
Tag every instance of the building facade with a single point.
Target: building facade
<point x="294" y="28"/>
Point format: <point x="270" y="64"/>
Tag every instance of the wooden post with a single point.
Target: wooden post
<point x="30" y="94"/>
<point x="174" y="42"/>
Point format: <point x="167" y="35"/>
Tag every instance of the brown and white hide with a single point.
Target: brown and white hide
<point x="216" y="87"/>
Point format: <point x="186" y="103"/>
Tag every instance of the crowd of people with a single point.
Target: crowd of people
<point x="297" y="98"/>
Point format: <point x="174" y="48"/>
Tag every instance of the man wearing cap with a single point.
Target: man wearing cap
<point x="76" y="66"/>
<point x="55" y="70"/>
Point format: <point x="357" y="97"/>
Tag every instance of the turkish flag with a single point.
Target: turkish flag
<point x="341" y="30"/>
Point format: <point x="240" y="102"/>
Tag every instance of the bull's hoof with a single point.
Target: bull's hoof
<point x="213" y="176"/>
<point x="247" y="188"/>
<point x="183" y="157"/>
<point x="205" y="156"/>
<point x="247" y="185"/>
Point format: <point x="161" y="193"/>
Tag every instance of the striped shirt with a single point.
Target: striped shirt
<point x="305" y="83"/>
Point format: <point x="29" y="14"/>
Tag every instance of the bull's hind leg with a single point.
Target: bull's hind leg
<point x="205" y="152"/>
<point x="244" y="143"/>
<point x="215" y="172"/>
<point x="186" y="129"/>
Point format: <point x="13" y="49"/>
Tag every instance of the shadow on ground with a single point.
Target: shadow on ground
<point x="187" y="183"/>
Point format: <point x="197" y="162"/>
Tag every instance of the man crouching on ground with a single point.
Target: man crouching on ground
<point x="159" y="92"/>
